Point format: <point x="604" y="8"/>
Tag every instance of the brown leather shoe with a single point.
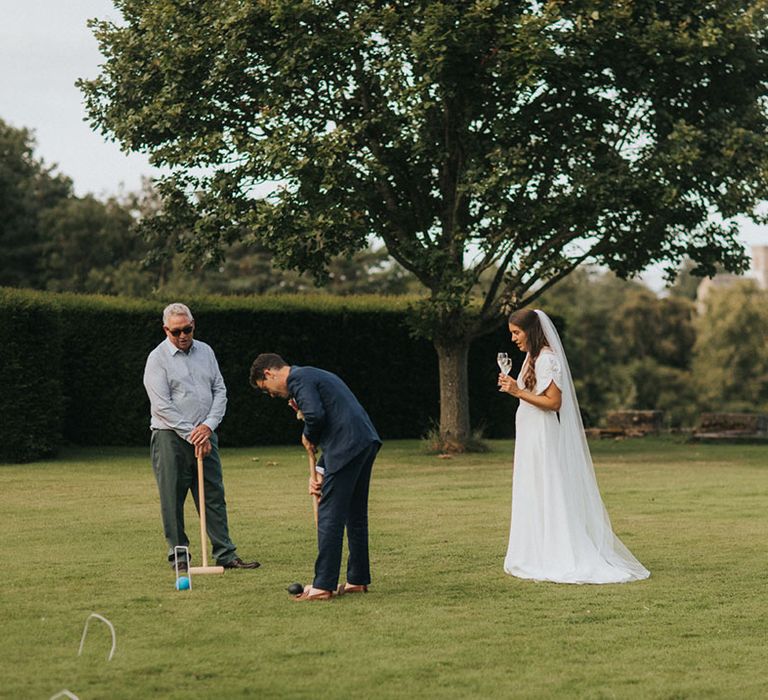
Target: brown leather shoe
<point x="238" y="563"/>
<point x="322" y="595"/>
<point x="345" y="588"/>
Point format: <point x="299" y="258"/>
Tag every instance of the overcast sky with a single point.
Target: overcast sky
<point x="45" y="46"/>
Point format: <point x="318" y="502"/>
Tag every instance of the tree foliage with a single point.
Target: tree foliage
<point x="628" y="348"/>
<point x="28" y="189"/>
<point x="731" y="353"/>
<point x="516" y="138"/>
<point x="52" y="239"/>
<point x="251" y="270"/>
<point x="86" y="242"/>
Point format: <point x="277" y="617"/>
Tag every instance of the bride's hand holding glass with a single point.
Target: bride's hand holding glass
<point x="508" y="385"/>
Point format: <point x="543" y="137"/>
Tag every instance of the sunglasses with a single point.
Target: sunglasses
<point x="176" y="332"/>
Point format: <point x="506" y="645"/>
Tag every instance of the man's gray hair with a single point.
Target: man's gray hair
<point x="176" y="309"/>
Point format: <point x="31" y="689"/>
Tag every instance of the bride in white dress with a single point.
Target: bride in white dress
<point x="560" y="529"/>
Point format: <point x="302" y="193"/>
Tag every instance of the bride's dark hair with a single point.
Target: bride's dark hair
<point x="528" y="320"/>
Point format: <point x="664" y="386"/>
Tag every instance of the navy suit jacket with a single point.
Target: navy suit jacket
<point x="334" y="420"/>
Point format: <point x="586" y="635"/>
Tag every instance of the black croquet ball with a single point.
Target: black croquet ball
<point x="295" y="589"/>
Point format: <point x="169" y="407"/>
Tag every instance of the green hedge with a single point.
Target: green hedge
<point x="106" y="341"/>
<point x="103" y="343"/>
<point x="31" y="400"/>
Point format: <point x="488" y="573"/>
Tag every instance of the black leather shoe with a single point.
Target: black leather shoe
<point x="183" y="567"/>
<point x="238" y="563"/>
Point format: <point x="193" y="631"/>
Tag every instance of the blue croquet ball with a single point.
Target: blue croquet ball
<point x="182" y="583"/>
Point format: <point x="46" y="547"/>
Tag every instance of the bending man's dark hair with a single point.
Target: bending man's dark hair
<point x="267" y="360"/>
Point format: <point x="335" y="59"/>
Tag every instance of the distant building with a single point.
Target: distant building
<point x="758" y="272"/>
<point x="760" y="265"/>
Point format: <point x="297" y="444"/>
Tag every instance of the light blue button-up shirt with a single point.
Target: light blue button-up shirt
<point x="184" y="389"/>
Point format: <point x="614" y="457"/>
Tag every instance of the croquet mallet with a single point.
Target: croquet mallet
<point x="204" y="569"/>
<point x="312" y="461"/>
<point x="313" y="476"/>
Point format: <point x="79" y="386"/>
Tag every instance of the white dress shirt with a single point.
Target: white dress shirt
<point x="184" y="388"/>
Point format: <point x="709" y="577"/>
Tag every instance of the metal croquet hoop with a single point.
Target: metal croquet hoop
<point x="111" y="629"/>
<point x="180" y="550"/>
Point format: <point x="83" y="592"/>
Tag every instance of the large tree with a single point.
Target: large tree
<point x="493" y="146"/>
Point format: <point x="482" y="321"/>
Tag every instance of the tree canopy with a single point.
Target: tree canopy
<point x="28" y="188"/>
<point x="493" y="146"/>
<point x="52" y="239"/>
<point x="731" y="360"/>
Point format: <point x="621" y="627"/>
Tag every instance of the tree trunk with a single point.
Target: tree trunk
<point x="455" y="428"/>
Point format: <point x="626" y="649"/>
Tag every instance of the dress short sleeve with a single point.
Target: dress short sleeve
<point x="548" y="370"/>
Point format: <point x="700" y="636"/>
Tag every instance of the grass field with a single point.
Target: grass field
<point x="82" y="534"/>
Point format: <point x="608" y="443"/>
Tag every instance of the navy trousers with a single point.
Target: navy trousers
<point x="344" y="503"/>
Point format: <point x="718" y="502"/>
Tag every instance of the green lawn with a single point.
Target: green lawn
<point x="82" y="534"/>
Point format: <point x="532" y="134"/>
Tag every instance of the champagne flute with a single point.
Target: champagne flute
<point x="504" y="362"/>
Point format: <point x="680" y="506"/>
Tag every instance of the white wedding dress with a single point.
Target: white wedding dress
<point x="560" y="529"/>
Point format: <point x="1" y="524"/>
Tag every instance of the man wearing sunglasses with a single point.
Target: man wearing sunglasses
<point x="187" y="400"/>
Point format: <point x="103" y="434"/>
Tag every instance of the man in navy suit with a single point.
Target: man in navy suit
<point x="334" y="421"/>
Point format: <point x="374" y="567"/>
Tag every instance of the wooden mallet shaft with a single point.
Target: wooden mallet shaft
<point x="204" y="569"/>
<point x="313" y="476"/>
<point x="312" y="461"/>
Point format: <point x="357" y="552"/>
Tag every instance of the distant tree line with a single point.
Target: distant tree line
<point x="632" y="349"/>
<point x="52" y="239"/>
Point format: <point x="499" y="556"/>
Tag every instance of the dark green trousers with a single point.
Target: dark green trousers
<point x="175" y="467"/>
